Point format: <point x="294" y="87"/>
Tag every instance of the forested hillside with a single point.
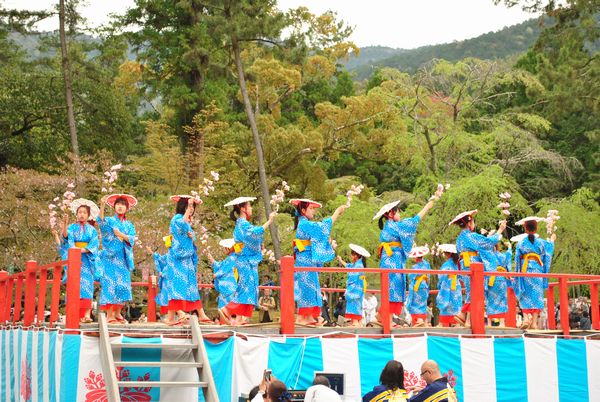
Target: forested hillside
<point x="529" y="125"/>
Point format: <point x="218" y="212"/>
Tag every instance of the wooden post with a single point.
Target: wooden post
<point x="10" y="284"/>
<point x="550" y="307"/>
<point x="73" y="288"/>
<point x="151" y="299"/>
<point x="287" y="295"/>
<point x="477" y="299"/>
<point x="564" y="305"/>
<point x="384" y="311"/>
<point x="18" y="298"/>
<point x="41" y="308"/>
<point x="4" y="299"/>
<point x="30" y="291"/>
<point x="511" y="315"/>
<point x="55" y="299"/>
<point x="595" y="306"/>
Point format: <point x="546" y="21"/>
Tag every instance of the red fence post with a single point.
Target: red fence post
<point x="550" y="307"/>
<point x="564" y="305"/>
<point x="41" y="308"/>
<point x="55" y="298"/>
<point x="73" y="288"/>
<point x="287" y="295"/>
<point x="30" y="292"/>
<point x="4" y="299"/>
<point x="384" y="311"/>
<point x="151" y="299"/>
<point x="10" y="284"/>
<point x="18" y="298"/>
<point x="511" y="315"/>
<point x="477" y="299"/>
<point x="595" y="306"/>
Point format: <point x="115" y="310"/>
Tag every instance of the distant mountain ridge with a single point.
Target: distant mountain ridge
<point x="492" y="45"/>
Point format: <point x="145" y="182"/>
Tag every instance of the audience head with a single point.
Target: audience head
<point x="253" y="393"/>
<point x="321" y="380"/>
<point x="392" y="375"/>
<point x="277" y="392"/>
<point x="430" y="371"/>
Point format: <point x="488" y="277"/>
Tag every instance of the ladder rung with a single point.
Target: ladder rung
<point x="154" y="345"/>
<point x="151" y="384"/>
<point x="158" y="364"/>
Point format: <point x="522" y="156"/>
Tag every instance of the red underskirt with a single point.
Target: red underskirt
<point x="415" y="317"/>
<point x="395" y="308"/>
<point x="244" y="310"/>
<point x="313" y="312"/>
<point x="531" y="310"/>
<point x="84" y="304"/>
<point x="106" y="307"/>
<point x="353" y="317"/>
<point x="185" y="305"/>
<point x="501" y="315"/>
<point x="446" y="320"/>
<point x="465" y="308"/>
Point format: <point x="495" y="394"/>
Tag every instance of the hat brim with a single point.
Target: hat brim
<point x="227" y="243"/>
<point x="94" y="210"/>
<point x="417" y="252"/>
<point x="385" y="209"/>
<point x="239" y="200"/>
<point x="296" y="201"/>
<point x="176" y="198"/>
<point x="461" y="216"/>
<point x="131" y="200"/>
<point x="359" y="250"/>
<point x="447" y="248"/>
<point x="518" y="238"/>
<point x="528" y="219"/>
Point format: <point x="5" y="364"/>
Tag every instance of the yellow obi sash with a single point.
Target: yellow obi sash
<point x="420" y="279"/>
<point x="493" y="278"/>
<point x="168" y="241"/>
<point x="530" y="256"/>
<point x="364" y="279"/>
<point x="300" y="244"/>
<point x="388" y="247"/>
<point x="453" y="282"/>
<point x="236" y="275"/>
<point x="466" y="257"/>
<point x="81" y="244"/>
<point x="238" y="247"/>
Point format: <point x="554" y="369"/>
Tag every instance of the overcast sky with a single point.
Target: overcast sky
<point x="395" y="23"/>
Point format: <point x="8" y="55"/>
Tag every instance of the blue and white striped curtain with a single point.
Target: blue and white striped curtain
<point x="52" y="366"/>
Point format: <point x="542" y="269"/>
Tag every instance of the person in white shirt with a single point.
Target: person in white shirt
<point x="320" y="391"/>
<point x="370" y="308"/>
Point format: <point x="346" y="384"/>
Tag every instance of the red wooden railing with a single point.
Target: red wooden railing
<point x="33" y="283"/>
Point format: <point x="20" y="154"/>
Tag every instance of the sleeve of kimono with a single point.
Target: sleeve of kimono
<point x="508" y="254"/>
<point x="94" y="243"/>
<point x="321" y="230"/>
<point x="406" y="230"/>
<point x="518" y="261"/>
<point x="252" y="232"/>
<point x="130" y="233"/>
<point x="548" y="253"/>
<point x="480" y="242"/>
<point x="103" y="224"/>
<point x="157" y="262"/>
<point x="181" y="226"/>
<point x="216" y="266"/>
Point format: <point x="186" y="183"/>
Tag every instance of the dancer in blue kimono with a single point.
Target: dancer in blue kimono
<point x="182" y="259"/>
<point x="532" y="254"/>
<point x="496" y="297"/>
<point x="418" y="288"/>
<point x="473" y="247"/>
<point x="397" y="237"/>
<point x="312" y="248"/>
<point x="449" y="298"/>
<point x="115" y="261"/>
<point x="248" y="251"/>
<point x="160" y="262"/>
<point x="356" y="284"/>
<point x="84" y="236"/>
<point x="225" y="277"/>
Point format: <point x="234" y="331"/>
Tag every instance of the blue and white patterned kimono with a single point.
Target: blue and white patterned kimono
<point x="417" y="298"/>
<point x="160" y="262"/>
<point x="468" y="241"/>
<point x="355" y="288"/>
<point x="182" y="260"/>
<point x="403" y="232"/>
<point x="496" y="295"/>
<point x="530" y="291"/>
<point x="449" y="301"/>
<point x="225" y="282"/>
<point x="307" y="288"/>
<point x="63" y="248"/>
<point x="78" y="233"/>
<point x="115" y="261"/>
<point x="247" y="261"/>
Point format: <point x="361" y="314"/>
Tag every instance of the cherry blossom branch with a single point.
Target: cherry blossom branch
<point x="354" y="190"/>
<point x="279" y="196"/>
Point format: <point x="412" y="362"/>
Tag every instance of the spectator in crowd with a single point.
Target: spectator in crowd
<point x="321" y="391"/>
<point x="268" y="281"/>
<point x="437" y="386"/>
<point x="325" y="308"/>
<point x="266" y="306"/>
<point x="272" y="391"/>
<point x="370" y="308"/>
<point x="340" y="307"/>
<point x="391" y="387"/>
<point x="585" y="322"/>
